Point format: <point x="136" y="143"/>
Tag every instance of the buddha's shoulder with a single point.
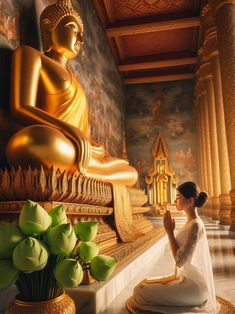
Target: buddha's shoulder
<point x="28" y="51"/>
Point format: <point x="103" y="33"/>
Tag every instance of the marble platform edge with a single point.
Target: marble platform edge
<point x="96" y="298"/>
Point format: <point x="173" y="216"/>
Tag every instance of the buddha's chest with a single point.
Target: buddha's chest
<point x="54" y="78"/>
<point x="56" y="87"/>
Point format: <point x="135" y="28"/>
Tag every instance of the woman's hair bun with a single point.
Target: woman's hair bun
<point x="201" y="199"/>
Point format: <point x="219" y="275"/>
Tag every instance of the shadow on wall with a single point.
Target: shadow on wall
<point x="5" y="123"/>
<point x="17" y="27"/>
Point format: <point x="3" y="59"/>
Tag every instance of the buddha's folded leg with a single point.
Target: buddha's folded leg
<point x="41" y="145"/>
<point x="121" y="174"/>
<point x="106" y="163"/>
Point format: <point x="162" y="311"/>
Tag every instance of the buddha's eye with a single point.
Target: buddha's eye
<point x="73" y="27"/>
<point x="74" y="30"/>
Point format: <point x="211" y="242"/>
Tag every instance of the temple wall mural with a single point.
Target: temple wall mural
<point x="94" y="67"/>
<point x="9" y="23"/>
<point x="104" y="89"/>
<point x="165" y="107"/>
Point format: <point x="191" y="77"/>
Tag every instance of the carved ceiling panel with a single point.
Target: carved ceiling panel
<point x="157" y="43"/>
<point x="152" y="40"/>
<point x="138" y="8"/>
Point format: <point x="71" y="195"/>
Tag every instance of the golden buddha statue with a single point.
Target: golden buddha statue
<point x="51" y="104"/>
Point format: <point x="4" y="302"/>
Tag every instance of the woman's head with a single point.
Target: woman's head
<point x="61" y="27"/>
<point x="189" y="195"/>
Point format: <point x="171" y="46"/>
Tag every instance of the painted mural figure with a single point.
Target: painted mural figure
<point x="51" y="105"/>
<point x="191" y="289"/>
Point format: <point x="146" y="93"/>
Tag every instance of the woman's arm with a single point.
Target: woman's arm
<point x="184" y="253"/>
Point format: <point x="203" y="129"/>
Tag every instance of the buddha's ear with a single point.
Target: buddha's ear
<point x="46" y="34"/>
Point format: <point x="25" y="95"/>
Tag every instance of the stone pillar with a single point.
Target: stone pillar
<point x="201" y="147"/>
<point x="211" y="50"/>
<point x="201" y="135"/>
<point x="207" y="164"/>
<point x="224" y="12"/>
<point x="205" y="73"/>
<point x="203" y="139"/>
<point x="199" y="142"/>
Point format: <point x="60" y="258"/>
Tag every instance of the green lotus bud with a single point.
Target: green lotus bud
<point x="68" y="273"/>
<point x="86" y="230"/>
<point x="88" y="250"/>
<point x="102" y="267"/>
<point x="8" y="273"/>
<point x="58" y="216"/>
<point x="10" y="236"/>
<point x="34" y="220"/>
<point x="61" y="240"/>
<point x="30" y="255"/>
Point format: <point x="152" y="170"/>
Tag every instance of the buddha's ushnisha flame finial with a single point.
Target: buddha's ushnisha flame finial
<point x="53" y="14"/>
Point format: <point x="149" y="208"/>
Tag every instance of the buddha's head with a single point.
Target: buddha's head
<point x="61" y="29"/>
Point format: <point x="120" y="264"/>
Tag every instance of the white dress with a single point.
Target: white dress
<point x="193" y="289"/>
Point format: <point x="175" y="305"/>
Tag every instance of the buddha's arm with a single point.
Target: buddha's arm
<point x="26" y="69"/>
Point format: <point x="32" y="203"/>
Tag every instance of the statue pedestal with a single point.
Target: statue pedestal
<point x="123" y="229"/>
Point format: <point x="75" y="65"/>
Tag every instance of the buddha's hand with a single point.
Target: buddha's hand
<point x="83" y="147"/>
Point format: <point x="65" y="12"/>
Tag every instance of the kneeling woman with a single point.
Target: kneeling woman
<point x="192" y="290"/>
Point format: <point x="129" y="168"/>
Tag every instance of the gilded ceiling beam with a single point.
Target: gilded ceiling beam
<point x="157" y="64"/>
<point x="152" y="27"/>
<point x="158" y="78"/>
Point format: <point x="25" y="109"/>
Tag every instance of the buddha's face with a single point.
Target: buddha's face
<point x="66" y="38"/>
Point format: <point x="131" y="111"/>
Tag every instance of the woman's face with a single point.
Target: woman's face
<point x="66" y="38"/>
<point x="183" y="203"/>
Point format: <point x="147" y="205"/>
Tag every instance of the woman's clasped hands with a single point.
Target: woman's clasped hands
<point x="168" y="222"/>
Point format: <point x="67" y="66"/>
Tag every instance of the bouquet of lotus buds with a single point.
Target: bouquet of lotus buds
<point x="44" y="254"/>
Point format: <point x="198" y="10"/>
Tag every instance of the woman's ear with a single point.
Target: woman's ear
<point x="191" y="200"/>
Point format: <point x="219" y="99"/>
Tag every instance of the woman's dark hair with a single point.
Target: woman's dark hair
<point x="191" y="189"/>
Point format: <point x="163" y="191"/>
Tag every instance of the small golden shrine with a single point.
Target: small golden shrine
<point x="161" y="179"/>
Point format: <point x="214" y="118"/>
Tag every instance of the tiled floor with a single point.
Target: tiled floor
<point x="222" y="249"/>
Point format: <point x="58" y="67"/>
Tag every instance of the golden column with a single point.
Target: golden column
<point x="205" y="73"/>
<point x="204" y="154"/>
<point x="201" y="145"/>
<point x="211" y="50"/>
<point x="224" y="12"/>
<point x="208" y="152"/>
<point x="198" y="139"/>
<point x="201" y="137"/>
<point x="203" y="140"/>
<point x="207" y="164"/>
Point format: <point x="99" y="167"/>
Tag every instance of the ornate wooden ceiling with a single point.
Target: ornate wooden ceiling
<point x="152" y="40"/>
